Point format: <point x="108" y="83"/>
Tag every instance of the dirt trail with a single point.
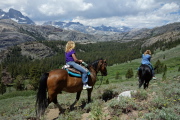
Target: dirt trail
<point x="52" y="114"/>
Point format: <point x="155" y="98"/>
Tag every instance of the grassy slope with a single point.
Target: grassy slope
<point x="21" y="107"/>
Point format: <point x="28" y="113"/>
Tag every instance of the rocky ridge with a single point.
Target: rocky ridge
<point x="36" y="50"/>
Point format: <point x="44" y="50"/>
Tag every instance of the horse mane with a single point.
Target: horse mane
<point x="95" y="63"/>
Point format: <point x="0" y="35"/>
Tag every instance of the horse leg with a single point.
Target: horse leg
<point x="77" y="99"/>
<point x="53" y="98"/>
<point x="145" y="85"/>
<point x="140" y="83"/>
<point x="89" y="95"/>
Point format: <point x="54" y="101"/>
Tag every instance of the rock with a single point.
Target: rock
<point x="126" y="94"/>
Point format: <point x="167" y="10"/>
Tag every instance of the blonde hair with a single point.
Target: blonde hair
<point x="147" y="52"/>
<point x="69" y="46"/>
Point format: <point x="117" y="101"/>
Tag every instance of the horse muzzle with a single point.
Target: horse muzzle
<point x="104" y="74"/>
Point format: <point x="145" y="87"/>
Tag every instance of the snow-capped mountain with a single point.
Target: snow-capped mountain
<point x="76" y="26"/>
<point x="16" y="16"/>
<point x="88" y="29"/>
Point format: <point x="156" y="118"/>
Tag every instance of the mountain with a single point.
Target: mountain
<point x="12" y="33"/>
<point x="16" y="16"/>
<point x="88" y="29"/>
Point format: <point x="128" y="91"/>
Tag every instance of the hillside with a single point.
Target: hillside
<point x="159" y="101"/>
<point x="12" y="33"/>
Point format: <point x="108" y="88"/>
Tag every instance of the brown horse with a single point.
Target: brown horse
<point x="58" y="80"/>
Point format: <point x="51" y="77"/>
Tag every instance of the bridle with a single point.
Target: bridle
<point x="101" y="79"/>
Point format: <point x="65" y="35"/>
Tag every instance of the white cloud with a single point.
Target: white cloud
<point x="145" y="4"/>
<point x="50" y="10"/>
<point x="169" y="7"/>
<point x="62" y="7"/>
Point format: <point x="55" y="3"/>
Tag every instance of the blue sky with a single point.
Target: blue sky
<point x="131" y="13"/>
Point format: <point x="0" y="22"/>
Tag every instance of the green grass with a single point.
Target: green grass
<point x="16" y="94"/>
<point x="159" y="101"/>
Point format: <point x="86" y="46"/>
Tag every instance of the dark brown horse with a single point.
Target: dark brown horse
<point x="58" y="80"/>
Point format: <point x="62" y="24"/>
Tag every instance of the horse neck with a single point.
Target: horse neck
<point x="93" y="74"/>
<point x="93" y="70"/>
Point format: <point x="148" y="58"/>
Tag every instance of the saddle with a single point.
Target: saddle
<point x="72" y="71"/>
<point x="149" y="66"/>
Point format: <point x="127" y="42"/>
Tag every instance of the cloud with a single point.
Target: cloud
<point x="55" y="7"/>
<point x="132" y="13"/>
<point x="169" y="7"/>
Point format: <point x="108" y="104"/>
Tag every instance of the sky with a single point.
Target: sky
<point x="115" y="13"/>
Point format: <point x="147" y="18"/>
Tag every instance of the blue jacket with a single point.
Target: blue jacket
<point x="146" y="59"/>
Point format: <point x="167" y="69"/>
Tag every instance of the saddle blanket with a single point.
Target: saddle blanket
<point x="72" y="71"/>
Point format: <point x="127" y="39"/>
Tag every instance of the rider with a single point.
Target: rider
<point x="146" y="58"/>
<point x="73" y="61"/>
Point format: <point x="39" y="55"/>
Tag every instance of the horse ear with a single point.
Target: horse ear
<point x="105" y="62"/>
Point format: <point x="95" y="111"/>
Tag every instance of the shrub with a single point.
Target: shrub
<point x="172" y="92"/>
<point x="124" y="105"/>
<point x="163" y="114"/>
<point x="158" y="103"/>
<point x="96" y="111"/>
<point x="140" y="95"/>
<point x="107" y="81"/>
<point x="108" y="94"/>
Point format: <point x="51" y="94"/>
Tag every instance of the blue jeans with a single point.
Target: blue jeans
<point x="81" y="69"/>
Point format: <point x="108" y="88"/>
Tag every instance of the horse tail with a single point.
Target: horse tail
<point x="41" y="98"/>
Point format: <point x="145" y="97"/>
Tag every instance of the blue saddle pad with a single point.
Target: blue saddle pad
<point x="75" y="74"/>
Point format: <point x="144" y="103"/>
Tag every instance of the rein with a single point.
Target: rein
<point x="101" y="79"/>
<point x="94" y="65"/>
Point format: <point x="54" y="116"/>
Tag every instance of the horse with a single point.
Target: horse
<point x="58" y="80"/>
<point x="145" y="75"/>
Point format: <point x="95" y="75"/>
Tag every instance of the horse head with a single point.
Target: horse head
<point x="102" y="67"/>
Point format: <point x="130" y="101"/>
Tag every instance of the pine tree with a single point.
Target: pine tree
<point x="159" y="67"/>
<point x="164" y="57"/>
<point x="164" y="75"/>
<point x="19" y="83"/>
<point x="34" y="77"/>
<point x="2" y="86"/>
<point x="129" y="73"/>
